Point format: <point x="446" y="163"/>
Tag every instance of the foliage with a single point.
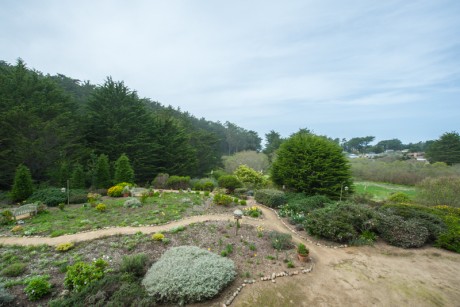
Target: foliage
<point x="78" y="198"/>
<point x="204" y="184"/>
<point x="37" y="287"/>
<point x="158" y="236"/>
<point x="227" y="251"/>
<point x="93" y="197"/>
<point x="64" y="247"/>
<point x="22" y="186"/>
<point x="178" y="182"/>
<point x="399" y="197"/>
<point x="5" y="296"/>
<point x="77" y="180"/>
<point x="270" y="197"/>
<point x="222" y="199"/>
<point x="302" y="249"/>
<point x="14" y="269"/>
<point x="52" y="197"/>
<point x="229" y="182"/>
<point x="450" y="239"/>
<point x="132" y="203"/>
<point x="134" y="264"/>
<point x="115" y="191"/>
<point x="253" y="211"/>
<point x="197" y="275"/>
<point x="6" y="217"/>
<point x="446" y="149"/>
<point x="82" y="274"/>
<point x="440" y="191"/>
<point x="160" y="181"/>
<point x="280" y="241"/>
<point x="403" y="233"/>
<point x="252" y="159"/>
<point x="340" y="222"/>
<point x="101" y="207"/>
<point x="101" y="176"/>
<point x="311" y="164"/>
<point x="298" y="203"/>
<point x="17" y="229"/>
<point x="249" y="177"/>
<point x="123" y="170"/>
<point x="273" y="142"/>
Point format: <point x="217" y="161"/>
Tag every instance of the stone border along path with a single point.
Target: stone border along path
<point x="271" y="220"/>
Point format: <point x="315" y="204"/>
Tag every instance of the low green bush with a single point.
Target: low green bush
<point x="280" y="241"/>
<point x="178" y="182"/>
<point x="229" y="182"/>
<point x="134" y="264"/>
<point x="188" y="274"/>
<point x="132" y="203"/>
<point x="81" y="274"/>
<point x="14" y="269"/>
<point x="204" y="184"/>
<point x="160" y="181"/>
<point x="5" y="297"/>
<point x="52" y="197"/>
<point x="403" y="233"/>
<point x="6" y="217"/>
<point x="270" y="197"/>
<point x="78" y="198"/>
<point x="115" y="191"/>
<point x="222" y="199"/>
<point x="301" y="204"/>
<point x="37" y="287"/>
<point x="399" y="198"/>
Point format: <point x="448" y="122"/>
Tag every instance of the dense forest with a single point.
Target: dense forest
<point x="56" y="124"/>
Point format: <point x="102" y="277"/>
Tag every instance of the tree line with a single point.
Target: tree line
<point x="55" y="125"/>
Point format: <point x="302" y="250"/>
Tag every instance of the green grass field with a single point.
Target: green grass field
<point x="381" y="190"/>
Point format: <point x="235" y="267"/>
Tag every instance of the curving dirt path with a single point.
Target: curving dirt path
<point x="379" y="275"/>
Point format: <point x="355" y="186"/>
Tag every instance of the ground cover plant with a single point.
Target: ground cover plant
<point x="129" y="257"/>
<point x="75" y="218"/>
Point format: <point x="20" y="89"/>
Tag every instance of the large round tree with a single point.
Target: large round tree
<point x="312" y="165"/>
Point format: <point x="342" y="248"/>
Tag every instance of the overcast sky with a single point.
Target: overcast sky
<point x="390" y="69"/>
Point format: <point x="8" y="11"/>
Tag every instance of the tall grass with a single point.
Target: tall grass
<point x="400" y="172"/>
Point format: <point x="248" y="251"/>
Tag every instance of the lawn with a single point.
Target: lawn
<point x="76" y="218"/>
<point x="381" y="191"/>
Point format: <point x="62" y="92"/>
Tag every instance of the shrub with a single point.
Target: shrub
<point x="280" y="241"/>
<point x="93" y="197"/>
<point x="229" y="182"/>
<point x="241" y="193"/>
<point x="178" y="182"/>
<point x="399" y="197"/>
<point x="439" y="191"/>
<point x="22" y="185"/>
<point x="302" y="249"/>
<point x="222" y="199"/>
<point x="160" y="181"/>
<point x="132" y="203"/>
<point x="123" y="170"/>
<point x="216" y="174"/>
<point x="6" y="217"/>
<point x="101" y="207"/>
<point x="37" y="287"/>
<point x="63" y="247"/>
<point x="177" y="229"/>
<point x="158" y="236"/>
<point x="204" y="184"/>
<point x="14" y="270"/>
<point x="101" y="173"/>
<point x="115" y="191"/>
<point x="5" y="296"/>
<point x="253" y="211"/>
<point x="78" y="198"/>
<point x="243" y="202"/>
<point x="81" y="274"/>
<point x="299" y="203"/>
<point x="398" y="232"/>
<point x="134" y="264"/>
<point x="77" y="179"/>
<point x="270" y="197"/>
<point x="250" y="177"/>
<point x="50" y="196"/>
<point x="450" y="239"/>
<point x="227" y="251"/>
<point x="197" y="275"/>
<point x="17" y="228"/>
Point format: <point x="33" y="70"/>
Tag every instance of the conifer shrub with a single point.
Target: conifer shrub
<point x="123" y="170"/>
<point x="178" y="182"/>
<point x="270" y="197"/>
<point x="22" y="185"/>
<point x="229" y="182"/>
<point x="187" y="274"/>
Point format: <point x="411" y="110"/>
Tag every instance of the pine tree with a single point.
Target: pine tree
<point x="101" y="179"/>
<point x="22" y="186"/>
<point x="78" y="177"/>
<point x="123" y="170"/>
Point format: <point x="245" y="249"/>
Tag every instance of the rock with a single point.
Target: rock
<point x="273" y="281"/>
<point x="273" y="275"/>
<point x="223" y="305"/>
<point x="295" y="272"/>
<point x="262" y="279"/>
<point x="64" y="293"/>
<point x="244" y="285"/>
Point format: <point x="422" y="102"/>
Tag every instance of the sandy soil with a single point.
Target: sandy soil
<point x="381" y="275"/>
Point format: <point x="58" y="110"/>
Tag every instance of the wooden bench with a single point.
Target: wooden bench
<point x="29" y="209"/>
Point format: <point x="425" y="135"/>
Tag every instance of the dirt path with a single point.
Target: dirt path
<point x="381" y="275"/>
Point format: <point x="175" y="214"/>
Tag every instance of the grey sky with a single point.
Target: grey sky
<point x="341" y="68"/>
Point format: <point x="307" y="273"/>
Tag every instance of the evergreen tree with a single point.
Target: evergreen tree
<point x="123" y="170"/>
<point x="64" y="174"/>
<point x="446" y="149"/>
<point x="312" y="165"/>
<point x="22" y="186"/>
<point x="78" y="177"/>
<point x="101" y="179"/>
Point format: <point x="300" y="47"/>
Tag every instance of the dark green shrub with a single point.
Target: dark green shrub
<point x="81" y="274"/>
<point x="399" y="232"/>
<point x="6" y="217"/>
<point x="216" y="174"/>
<point x="450" y="239"/>
<point x="204" y="184"/>
<point x="271" y="198"/>
<point x="134" y="264"/>
<point x="37" y="287"/>
<point x="50" y="196"/>
<point x="101" y="173"/>
<point x="299" y="203"/>
<point x="160" y="181"/>
<point x="222" y="199"/>
<point x="178" y="182"/>
<point x="78" y="198"/>
<point x="188" y="274"/>
<point x="22" y="185"/>
<point x="399" y="198"/>
<point x="229" y="182"/>
<point x="77" y="181"/>
<point x="123" y="170"/>
<point x="14" y="270"/>
<point x="241" y="193"/>
<point x="280" y="241"/>
<point x="5" y="297"/>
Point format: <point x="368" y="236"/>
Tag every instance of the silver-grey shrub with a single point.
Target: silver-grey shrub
<point x="188" y="274"/>
<point x="132" y="203"/>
